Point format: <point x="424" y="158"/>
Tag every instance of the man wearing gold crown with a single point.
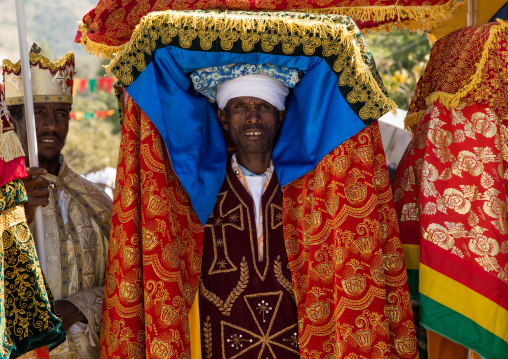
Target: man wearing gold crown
<point x="77" y="213"/>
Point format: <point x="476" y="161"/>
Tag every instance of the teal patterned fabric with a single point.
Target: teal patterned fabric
<point x="205" y="80"/>
<point x="28" y="319"/>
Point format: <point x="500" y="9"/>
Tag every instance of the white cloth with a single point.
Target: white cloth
<point x="259" y="85"/>
<point x="256" y="187"/>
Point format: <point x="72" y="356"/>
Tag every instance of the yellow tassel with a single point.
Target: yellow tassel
<point x="418" y="18"/>
<point x="412" y="121"/>
<point x="10" y="147"/>
<point x="94" y="48"/>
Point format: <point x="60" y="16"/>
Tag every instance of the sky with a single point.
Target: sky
<point x="52" y="24"/>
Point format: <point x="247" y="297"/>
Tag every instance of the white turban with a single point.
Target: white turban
<point x="258" y="85"/>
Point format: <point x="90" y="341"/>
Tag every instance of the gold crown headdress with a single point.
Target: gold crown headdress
<point x="51" y="81"/>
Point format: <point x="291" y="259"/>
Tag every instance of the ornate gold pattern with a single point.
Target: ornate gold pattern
<point x="344" y="230"/>
<point x="225" y="306"/>
<point x="335" y="35"/>
<point x="100" y="30"/>
<point x="26" y="309"/>
<point x="51" y="81"/>
<point x="468" y="65"/>
<point x="283" y="281"/>
<point x="461" y="173"/>
<point x="12" y="217"/>
<point x="207" y="329"/>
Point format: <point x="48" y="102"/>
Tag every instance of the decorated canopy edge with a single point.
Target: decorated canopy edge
<point x="450" y="100"/>
<point x="377" y="18"/>
<point x="334" y="38"/>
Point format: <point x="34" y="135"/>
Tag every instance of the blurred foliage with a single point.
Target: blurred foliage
<point x="93" y="144"/>
<point x="400" y="57"/>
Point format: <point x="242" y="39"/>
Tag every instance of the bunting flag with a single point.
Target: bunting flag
<point x="80" y="115"/>
<point x="93" y="84"/>
<point x="109" y="26"/>
<point x="450" y="191"/>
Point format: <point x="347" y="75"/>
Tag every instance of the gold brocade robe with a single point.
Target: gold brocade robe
<point x="76" y="229"/>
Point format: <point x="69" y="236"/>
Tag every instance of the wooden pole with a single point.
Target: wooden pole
<point x="472" y="12"/>
<point x="30" y="125"/>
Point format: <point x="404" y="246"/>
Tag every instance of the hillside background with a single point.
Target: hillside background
<point x="93" y="144"/>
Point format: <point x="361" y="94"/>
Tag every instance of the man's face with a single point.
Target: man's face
<point x="252" y="124"/>
<point x="51" y="126"/>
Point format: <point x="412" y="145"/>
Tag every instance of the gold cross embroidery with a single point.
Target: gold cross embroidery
<point x="232" y="218"/>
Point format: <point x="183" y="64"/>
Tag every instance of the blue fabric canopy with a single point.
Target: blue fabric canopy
<point x="318" y="118"/>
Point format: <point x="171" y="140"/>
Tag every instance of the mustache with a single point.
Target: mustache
<point x="49" y="134"/>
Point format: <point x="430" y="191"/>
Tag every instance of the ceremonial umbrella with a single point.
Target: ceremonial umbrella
<point x="108" y="27"/>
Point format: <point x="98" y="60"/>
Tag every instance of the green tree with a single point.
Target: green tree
<point x="93" y="143"/>
<point x="400" y="57"/>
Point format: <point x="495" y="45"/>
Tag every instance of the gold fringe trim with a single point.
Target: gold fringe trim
<point x="224" y="22"/>
<point x="95" y="48"/>
<point x="12" y="217"/>
<point x="412" y="121"/>
<point x="10" y="147"/>
<point x="43" y="61"/>
<point x="418" y="19"/>
<point x="452" y="100"/>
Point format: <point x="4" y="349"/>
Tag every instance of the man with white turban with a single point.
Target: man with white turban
<point x="244" y="257"/>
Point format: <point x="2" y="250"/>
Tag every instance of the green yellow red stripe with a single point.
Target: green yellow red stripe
<point x="468" y="273"/>
<point x="461" y="329"/>
<point x="464" y="301"/>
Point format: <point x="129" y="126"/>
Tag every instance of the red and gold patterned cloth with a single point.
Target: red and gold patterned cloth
<point x="451" y="198"/>
<point x="107" y="27"/>
<point x="450" y="190"/>
<point x="346" y="257"/>
<point x="341" y="236"/>
<point x="154" y="251"/>
<point x="470" y="65"/>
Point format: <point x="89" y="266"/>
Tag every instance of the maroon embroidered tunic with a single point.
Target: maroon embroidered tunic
<point x="247" y="309"/>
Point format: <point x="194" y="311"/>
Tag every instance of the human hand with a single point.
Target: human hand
<point x="37" y="191"/>
<point x="70" y="313"/>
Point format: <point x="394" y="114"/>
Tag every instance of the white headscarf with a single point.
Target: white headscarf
<point x="258" y="85"/>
